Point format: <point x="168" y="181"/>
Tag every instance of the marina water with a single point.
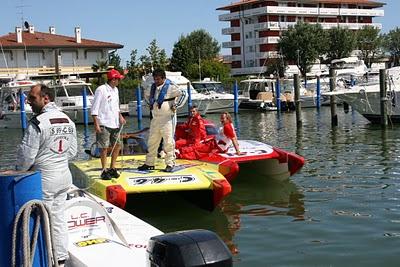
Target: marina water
<point x="341" y="209"/>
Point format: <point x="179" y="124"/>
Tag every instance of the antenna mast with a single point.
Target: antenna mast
<point x="21" y="11"/>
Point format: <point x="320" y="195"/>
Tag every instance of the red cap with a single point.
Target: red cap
<point x="114" y="74"/>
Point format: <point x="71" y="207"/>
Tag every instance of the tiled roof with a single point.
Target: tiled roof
<point x="47" y="40"/>
<point x="361" y="2"/>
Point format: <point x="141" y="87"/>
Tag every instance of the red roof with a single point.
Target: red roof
<point x="47" y="40"/>
<point x="360" y="2"/>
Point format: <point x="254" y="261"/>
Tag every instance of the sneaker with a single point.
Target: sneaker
<point x="105" y="175"/>
<point x="168" y="169"/>
<point x="145" y="167"/>
<point x="61" y="263"/>
<point x="113" y="172"/>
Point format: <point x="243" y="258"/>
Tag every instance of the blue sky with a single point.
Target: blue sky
<point x="134" y="23"/>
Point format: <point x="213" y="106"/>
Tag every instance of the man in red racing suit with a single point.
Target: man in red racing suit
<point x="191" y="132"/>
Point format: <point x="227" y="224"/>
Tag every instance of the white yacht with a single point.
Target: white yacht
<point x="69" y="97"/>
<point x="202" y="101"/>
<point x="365" y="98"/>
<point x="10" y="110"/>
<point x="223" y="101"/>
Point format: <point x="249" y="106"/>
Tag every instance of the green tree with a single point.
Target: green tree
<point x="157" y="56"/>
<point x="391" y="43"/>
<point x="341" y="42"/>
<point x="302" y="45"/>
<point x="196" y="47"/>
<point x="115" y="61"/>
<point x="210" y="68"/>
<point x="276" y="66"/>
<point x="369" y="42"/>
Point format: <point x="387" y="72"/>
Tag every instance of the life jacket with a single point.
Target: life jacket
<point x="161" y="95"/>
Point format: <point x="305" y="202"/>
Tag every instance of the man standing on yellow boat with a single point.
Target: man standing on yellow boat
<point x="164" y="97"/>
<point x="107" y="121"/>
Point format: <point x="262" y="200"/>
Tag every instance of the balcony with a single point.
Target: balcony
<point x="248" y="71"/>
<point x="40" y="71"/>
<point x="267" y="40"/>
<point x="228" y="31"/>
<point x="229" y="16"/>
<point x="361" y="12"/>
<point x="231" y="44"/>
<point x="302" y="11"/>
<point x="292" y="10"/>
<point x="269" y="54"/>
<point x="230" y="58"/>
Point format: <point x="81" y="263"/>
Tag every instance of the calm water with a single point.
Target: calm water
<point x="342" y="209"/>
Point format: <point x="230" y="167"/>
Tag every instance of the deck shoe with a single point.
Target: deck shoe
<point x="145" y="167"/>
<point x="113" y="172"/>
<point x="105" y="175"/>
<point x="168" y="169"/>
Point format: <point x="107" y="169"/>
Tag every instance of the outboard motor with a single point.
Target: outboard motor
<point x="188" y="248"/>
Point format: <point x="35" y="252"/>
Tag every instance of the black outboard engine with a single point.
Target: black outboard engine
<point x="189" y="248"/>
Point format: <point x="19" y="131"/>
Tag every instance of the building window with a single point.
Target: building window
<point x="250" y="63"/>
<point x="248" y="21"/>
<point x="249" y="35"/>
<point x="250" y="48"/>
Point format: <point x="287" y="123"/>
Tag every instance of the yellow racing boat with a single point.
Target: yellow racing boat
<point x="202" y="183"/>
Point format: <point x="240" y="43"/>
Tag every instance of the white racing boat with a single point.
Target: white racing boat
<point x="101" y="234"/>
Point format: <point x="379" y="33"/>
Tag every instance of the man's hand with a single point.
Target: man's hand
<point x="122" y="120"/>
<point x="97" y="128"/>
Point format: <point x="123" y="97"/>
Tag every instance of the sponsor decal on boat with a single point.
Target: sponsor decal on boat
<point x="83" y="220"/>
<point x="156" y="180"/>
<point x="90" y="242"/>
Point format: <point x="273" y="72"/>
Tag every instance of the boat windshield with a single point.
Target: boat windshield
<point x="72" y="90"/>
<point x="208" y="87"/>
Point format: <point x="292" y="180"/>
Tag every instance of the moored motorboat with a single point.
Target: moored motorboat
<point x="199" y="182"/>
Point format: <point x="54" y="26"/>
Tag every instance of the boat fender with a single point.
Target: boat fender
<point x="116" y="195"/>
<point x="188" y="248"/>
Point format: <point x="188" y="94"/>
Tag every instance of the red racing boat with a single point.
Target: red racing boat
<point x="256" y="157"/>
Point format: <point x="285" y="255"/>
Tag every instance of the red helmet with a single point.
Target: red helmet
<point x="114" y="74"/>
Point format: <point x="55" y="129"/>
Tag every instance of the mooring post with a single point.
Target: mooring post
<point x="382" y="90"/>
<point x="318" y="104"/>
<point x="85" y="107"/>
<point x="189" y="98"/>
<point x="22" y="108"/>
<point x="278" y="94"/>
<point x="139" y="106"/>
<point x="236" y="98"/>
<point x="332" y="85"/>
<point x="297" y="100"/>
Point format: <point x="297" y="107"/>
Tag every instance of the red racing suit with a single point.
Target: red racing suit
<point x="195" y="132"/>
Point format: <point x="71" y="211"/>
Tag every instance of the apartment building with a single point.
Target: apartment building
<point x="255" y="26"/>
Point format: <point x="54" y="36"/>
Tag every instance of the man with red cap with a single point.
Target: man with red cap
<point x="107" y="121"/>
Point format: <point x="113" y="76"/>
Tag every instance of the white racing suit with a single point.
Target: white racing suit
<point x="162" y="125"/>
<point x="48" y="143"/>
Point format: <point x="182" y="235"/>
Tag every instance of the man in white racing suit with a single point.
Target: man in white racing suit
<point x="163" y="96"/>
<point x="48" y="144"/>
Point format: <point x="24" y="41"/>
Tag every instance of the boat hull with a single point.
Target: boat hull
<point x="200" y="182"/>
<point x="262" y="159"/>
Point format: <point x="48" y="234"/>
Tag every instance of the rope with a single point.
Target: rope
<point x="22" y="221"/>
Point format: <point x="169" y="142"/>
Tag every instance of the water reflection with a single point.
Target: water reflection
<point x="260" y="197"/>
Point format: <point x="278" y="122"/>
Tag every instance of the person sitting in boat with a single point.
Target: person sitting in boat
<point x="227" y="135"/>
<point x="219" y="144"/>
<point x="191" y="132"/>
